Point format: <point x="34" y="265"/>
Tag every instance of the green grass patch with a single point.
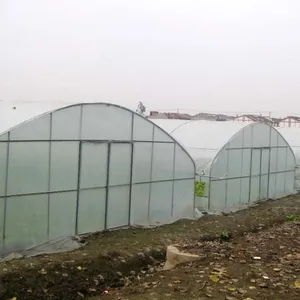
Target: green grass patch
<point x="292" y="218"/>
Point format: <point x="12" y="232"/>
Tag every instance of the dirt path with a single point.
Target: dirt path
<point x="126" y="264"/>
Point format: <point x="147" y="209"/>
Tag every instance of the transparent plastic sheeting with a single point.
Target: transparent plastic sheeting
<point x="292" y="136"/>
<point x="202" y="139"/>
<point x="239" y="164"/>
<point x="87" y="168"/>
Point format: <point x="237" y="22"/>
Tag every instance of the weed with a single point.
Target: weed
<point x="224" y="236"/>
<point x="292" y="218"/>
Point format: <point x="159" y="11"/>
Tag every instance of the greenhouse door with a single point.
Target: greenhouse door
<point x="104" y="186"/>
<point x="119" y="180"/>
<point x="259" y="174"/>
<point x="92" y="182"/>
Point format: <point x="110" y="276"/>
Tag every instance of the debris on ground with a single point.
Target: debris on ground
<point x="251" y="254"/>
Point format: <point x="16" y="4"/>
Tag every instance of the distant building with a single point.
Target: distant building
<point x="211" y="117"/>
<point x="255" y="118"/>
<point x="290" y="121"/>
<point x="205" y="117"/>
<point x="221" y="118"/>
<point x="177" y="116"/>
<point x="157" y="115"/>
<point x="276" y="122"/>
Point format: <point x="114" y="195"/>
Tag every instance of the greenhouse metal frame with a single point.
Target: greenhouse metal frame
<point x="89" y="167"/>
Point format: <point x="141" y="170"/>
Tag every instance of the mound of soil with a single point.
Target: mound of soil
<point x="68" y="280"/>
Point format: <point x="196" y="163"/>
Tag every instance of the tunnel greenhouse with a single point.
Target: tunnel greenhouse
<point x="86" y="168"/>
<point x="237" y="165"/>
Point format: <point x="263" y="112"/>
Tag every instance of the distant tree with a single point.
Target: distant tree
<point x="141" y="109"/>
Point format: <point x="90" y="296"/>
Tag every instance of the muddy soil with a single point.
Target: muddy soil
<point x="261" y="265"/>
<point x="254" y="254"/>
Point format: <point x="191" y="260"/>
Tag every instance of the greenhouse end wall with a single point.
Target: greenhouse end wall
<point x="256" y="164"/>
<point x="87" y="168"/>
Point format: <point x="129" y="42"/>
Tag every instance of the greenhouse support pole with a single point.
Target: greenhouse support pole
<point x="5" y="194"/>
<point x="131" y="169"/>
<point x="242" y="166"/>
<point x="209" y="187"/>
<point x="49" y="179"/>
<point x="78" y="186"/>
<point x="151" y="169"/>
<point x="260" y="170"/>
<point x="130" y="183"/>
<point x="269" y="162"/>
<point x="277" y="141"/>
<point x="173" y="182"/>
<point x="285" y="174"/>
<point x="250" y="175"/>
<point x="269" y="173"/>
<point x="226" y="180"/>
<point x="107" y="184"/>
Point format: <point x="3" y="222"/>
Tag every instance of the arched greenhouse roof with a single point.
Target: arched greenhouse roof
<point x="12" y="115"/>
<point x="202" y="139"/>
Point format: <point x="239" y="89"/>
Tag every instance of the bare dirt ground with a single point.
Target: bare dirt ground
<point x="251" y="254"/>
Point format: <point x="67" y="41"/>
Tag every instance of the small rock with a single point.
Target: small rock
<point x="146" y="285"/>
<point x="263" y="285"/>
<point x="230" y="298"/>
<point x="242" y="291"/>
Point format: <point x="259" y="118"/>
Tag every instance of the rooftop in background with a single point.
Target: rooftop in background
<point x="185" y="116"/>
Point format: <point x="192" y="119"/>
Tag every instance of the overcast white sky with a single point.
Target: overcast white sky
<point x="208" y="55"/>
